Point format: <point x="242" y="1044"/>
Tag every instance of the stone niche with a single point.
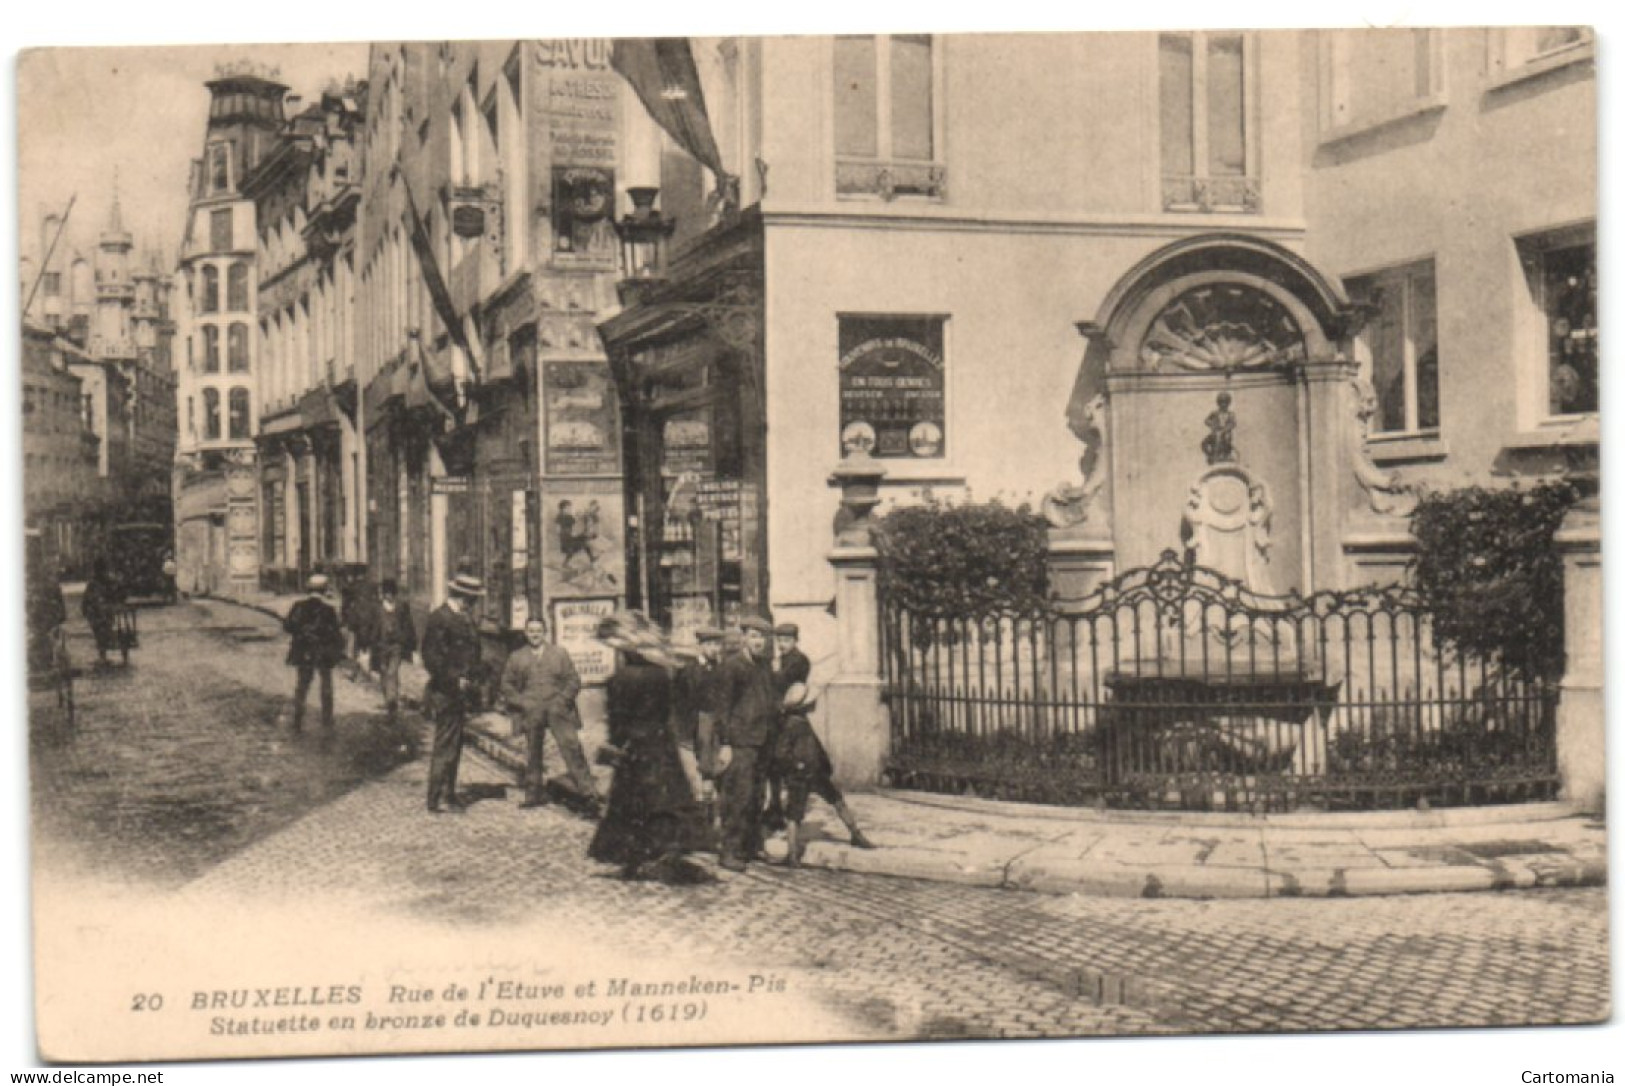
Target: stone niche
<point x="1214" y="408"/>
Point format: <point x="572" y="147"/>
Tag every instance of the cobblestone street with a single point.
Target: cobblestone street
<point x="183" y="769"/>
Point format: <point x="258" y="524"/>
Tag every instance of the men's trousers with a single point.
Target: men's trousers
<point x="566" y="731"/>
<point x="301" y="691"/>
<point x="446" y="710"/>
<point x="741" y="786"/>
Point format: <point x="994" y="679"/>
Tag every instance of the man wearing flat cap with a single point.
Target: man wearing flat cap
<point x="451" y="655"/>
<point x="316" y="648"/>
<point x="748" y="709"/>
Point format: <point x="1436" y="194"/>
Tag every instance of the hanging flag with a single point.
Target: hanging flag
<point x="662" y="72"/>
<point x="460" y="327"/>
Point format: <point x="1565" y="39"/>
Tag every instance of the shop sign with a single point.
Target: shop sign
<point x="892" y="387"/>
<point x="685" y="440"/>
<point x="575" y="629"/>
<point x="450" y="484"/>
<point x="580" y="419"/>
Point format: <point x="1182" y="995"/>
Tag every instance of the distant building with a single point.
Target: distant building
<point x="105" y="325"/>
<point x="63" y="490"/>
<point x="216" y="483"/>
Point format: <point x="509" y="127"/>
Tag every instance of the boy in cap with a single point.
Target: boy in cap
<point x="790" y="666"/>
<point x="317" y="645"/>
<point x="804" y="765"/>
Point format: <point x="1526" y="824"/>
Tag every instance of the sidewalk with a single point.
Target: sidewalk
<point x="1132" y="854"/>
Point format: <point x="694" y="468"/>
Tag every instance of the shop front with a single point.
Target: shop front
<point x="686" y="354"/>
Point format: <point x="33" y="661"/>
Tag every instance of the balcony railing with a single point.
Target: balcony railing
<point x="1239" y="194"/>
<point x="890" y="179"/>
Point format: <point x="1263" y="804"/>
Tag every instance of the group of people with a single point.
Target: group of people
<point x="729" y="726"/>
<point x="711" y="745"/>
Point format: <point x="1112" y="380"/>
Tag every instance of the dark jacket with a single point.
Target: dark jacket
<point x="650" y="810"/>
<point x="318" y="641"/>
<point x="451" y="649"/>
<point x="791" y="667"/>
<point x="798" y="754"/>
<point x="746" y="701"/>
<point x="392" y="631"/>
<point x="693" y="693"/>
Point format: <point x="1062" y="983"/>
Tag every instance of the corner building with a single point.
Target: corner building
<point x="486" y="254"/>
<point x="1029" y="266"/>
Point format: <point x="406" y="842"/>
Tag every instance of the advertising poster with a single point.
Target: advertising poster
<point x="575" y="629"/>
<point x="581" y="433"/>
<point x="583" y="545"/>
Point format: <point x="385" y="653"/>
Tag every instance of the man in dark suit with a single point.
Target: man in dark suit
<point x="317" y="646"/>
<point x="392" y="639"/>
<point x="749" y="709"/>
<point x="451" y="655"/>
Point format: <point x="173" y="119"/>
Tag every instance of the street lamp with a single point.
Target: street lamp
<point x="644" y="234"/>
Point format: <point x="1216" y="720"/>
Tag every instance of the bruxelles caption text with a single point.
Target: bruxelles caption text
<point x="491" y="1002"/>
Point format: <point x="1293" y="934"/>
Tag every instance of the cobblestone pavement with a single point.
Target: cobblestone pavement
<point x="888" y="958"/>
<point x="187" y="754"/>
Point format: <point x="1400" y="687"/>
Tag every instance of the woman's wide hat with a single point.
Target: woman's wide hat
<point x="635" y="632"/>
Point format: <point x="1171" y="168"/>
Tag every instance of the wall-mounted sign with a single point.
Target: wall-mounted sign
<point x="575" y="629"/>
<point x="892" y="386"/>
<point x="685" y="440"/>
<point x="580" y="419"/>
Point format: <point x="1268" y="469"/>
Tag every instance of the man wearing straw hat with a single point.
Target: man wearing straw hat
<point x="316" y="648"/>
<point x="749" y="710"/>
<point x="451" y="655"/>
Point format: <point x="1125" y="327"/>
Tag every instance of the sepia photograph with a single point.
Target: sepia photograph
<point x="811" y="548"/>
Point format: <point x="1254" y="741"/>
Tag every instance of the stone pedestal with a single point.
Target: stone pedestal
<point x="857" y="721"/>
<point x="1580" y="718"/>
<point x="1078" y="565"/>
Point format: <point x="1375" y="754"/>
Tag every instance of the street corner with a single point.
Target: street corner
<point x="906" y="862"/>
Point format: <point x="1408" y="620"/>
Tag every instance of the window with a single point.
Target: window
<point x="211" y="289"/>
<point x="211" y="349"/>
<point x="1369" y="77"/>
<point x="1403" y="338"/>
<point x="1203" y="100"/>
<point x="514" y="174"/>
<point x="219" y="167"/>
<point x="237" y="287"/>
<point x="1524" y="51"/>
<point x="52" y="283"/>
<point x="886" y="116"/>
<point x="239" y="414"/>
<point x="1561" y="272"/>
<point x="211" y="414"/>
<point x="237" y="348"/>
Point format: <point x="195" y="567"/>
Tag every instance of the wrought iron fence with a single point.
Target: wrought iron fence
<point x="1175" y="686"/>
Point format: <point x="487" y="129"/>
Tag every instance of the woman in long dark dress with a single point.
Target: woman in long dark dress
<point x="651" y="816"/>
